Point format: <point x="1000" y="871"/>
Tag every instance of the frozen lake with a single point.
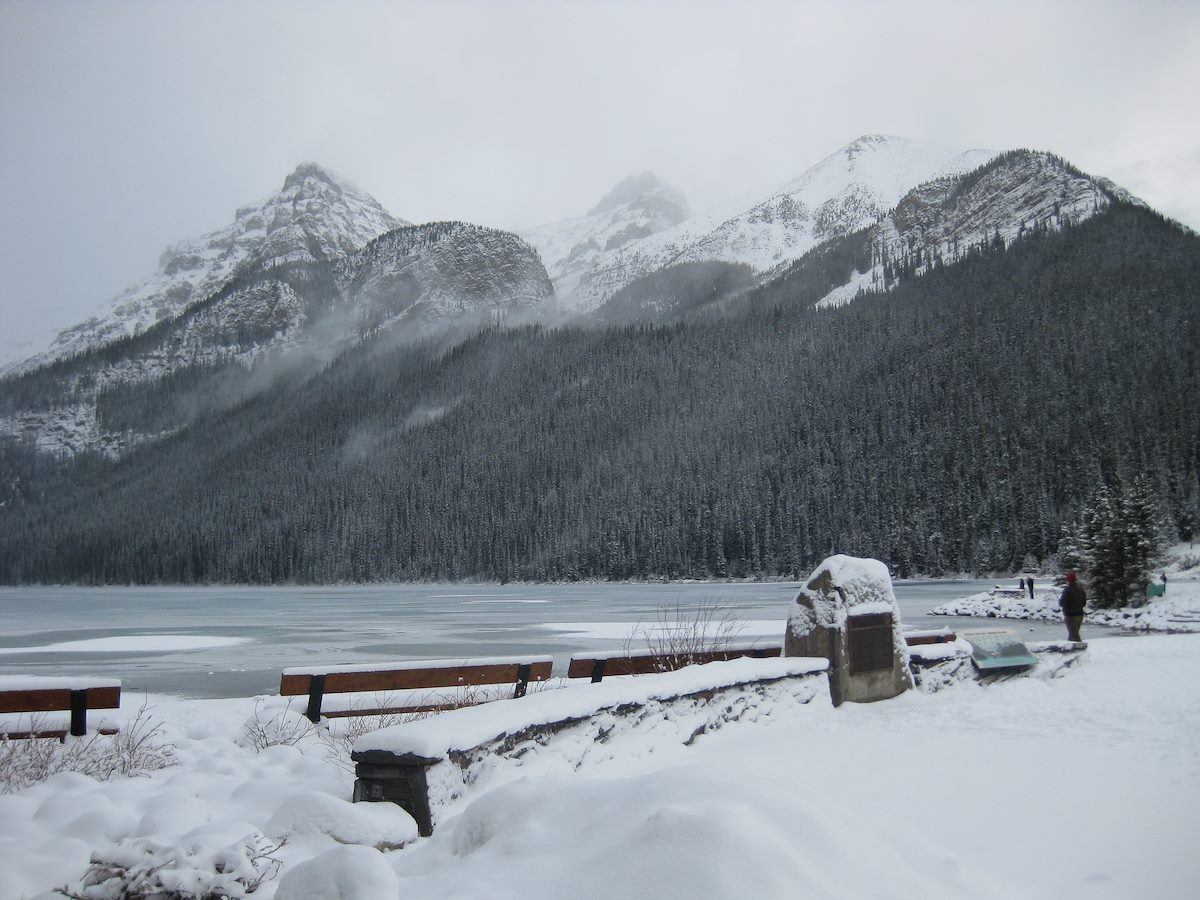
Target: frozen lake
<point x="234" y="641"/>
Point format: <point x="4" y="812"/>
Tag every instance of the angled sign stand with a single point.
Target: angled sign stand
<point x="997" y="648"/>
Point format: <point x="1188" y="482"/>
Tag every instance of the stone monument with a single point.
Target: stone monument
<point x="848" y="614"/>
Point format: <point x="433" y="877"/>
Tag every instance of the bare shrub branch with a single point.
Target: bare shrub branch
<point x="141" y="746"/>
<point x="680" y="638"/>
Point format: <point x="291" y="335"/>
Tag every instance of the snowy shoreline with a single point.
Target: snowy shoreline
<point x="809" y="801"/>
<point x="1178" y="613"/>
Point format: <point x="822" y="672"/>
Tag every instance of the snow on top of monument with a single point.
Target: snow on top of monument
<point x="462" y="729"/>
<point x="863" y="586"/>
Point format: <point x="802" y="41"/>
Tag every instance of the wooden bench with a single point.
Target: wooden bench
<point x="34" y="695"/>
<point x="411" y="676"/>
<point x="921" y="638"/>
<point x="645" y="662"/>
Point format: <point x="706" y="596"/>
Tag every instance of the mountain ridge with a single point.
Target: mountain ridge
<point x="315" y="215"/>
<point x="952" y="425"/>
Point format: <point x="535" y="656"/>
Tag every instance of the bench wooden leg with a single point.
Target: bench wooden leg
<point x="522" y="680"/>
<point x="79" y="707"/>
<point x="316" y="692"/>
<point x="598" y="670"/>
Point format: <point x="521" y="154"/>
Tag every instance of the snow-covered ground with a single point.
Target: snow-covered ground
<point x="1084" y="785"/>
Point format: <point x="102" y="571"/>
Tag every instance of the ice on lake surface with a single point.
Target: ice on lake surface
<point x="235" y="641"/>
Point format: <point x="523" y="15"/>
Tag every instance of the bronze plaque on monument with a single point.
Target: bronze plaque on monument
<point x="869" y="643"/>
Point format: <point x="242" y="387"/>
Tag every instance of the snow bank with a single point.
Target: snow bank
<point x="384" y="826"/>
<point x="464" y="729"/>
<point x="465" y="751"/>
<point x="344" y="873"/>
<point x="976" y="791"/>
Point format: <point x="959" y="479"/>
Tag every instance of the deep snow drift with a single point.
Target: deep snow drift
<point x="1084" y="785"/>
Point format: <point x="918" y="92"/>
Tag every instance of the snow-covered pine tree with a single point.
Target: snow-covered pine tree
<point x="1073" y="552"/>
<point x="1122" y="540"/>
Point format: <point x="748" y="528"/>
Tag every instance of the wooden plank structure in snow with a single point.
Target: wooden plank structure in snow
<point x="418" y="686"/>
<point x="646" y="662"/>
<point x="37" y="695"/>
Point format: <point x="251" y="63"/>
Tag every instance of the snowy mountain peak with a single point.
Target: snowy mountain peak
<point x="636" y="208"/>
<point x="315" y="216"/>
<point x="642" y="188"/>
<point x="849" y="189"/>
<point x="308" y="170"/>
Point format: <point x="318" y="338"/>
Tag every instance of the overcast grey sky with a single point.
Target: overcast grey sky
<point x="128" y="126"/>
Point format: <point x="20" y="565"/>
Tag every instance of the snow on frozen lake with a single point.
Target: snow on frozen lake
<point x="142" y="643"/>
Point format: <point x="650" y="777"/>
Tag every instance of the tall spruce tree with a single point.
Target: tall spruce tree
<point x="1123" y="539"/>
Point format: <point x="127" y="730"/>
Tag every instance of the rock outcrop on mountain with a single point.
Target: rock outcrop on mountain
<point x="315" y="216"/>
<point x="1016" y="194"/>
<point x="444" y="270"/>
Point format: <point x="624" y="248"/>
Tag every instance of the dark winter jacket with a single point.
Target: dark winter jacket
<point x="1073" y="599"/>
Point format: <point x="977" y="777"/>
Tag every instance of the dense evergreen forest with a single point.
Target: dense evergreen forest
<point x="954" y="423"/>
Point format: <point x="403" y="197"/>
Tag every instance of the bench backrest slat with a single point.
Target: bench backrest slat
<point x="582" y="666"/>
<point x="54" y="699"/>
<point x="415" y="679"/>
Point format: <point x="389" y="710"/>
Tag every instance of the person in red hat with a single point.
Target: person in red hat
<point x="1073" y="602"/>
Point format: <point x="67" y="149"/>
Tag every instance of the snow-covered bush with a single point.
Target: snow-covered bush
<point x="273" y="726"/>
<point x="140" y="869"/>
<point x="140" y="746"/>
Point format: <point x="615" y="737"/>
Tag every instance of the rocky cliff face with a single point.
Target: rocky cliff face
<point x="1015" y="195"/>
<point x="445" y="270"/>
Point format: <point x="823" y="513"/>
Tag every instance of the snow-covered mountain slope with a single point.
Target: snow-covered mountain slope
<point x="314" y="217"/>
<point x="290" y="300"/>
<point x="637" y="207"/>
<point x="1016" y="194"/>
<point x="844" y="192"/>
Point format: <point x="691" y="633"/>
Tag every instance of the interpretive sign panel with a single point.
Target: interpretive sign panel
<point x="997" y="648"/>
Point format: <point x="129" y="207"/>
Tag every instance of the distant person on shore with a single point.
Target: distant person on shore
<point x="1029" y="582"/>
<point x="1073" y="601"/>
